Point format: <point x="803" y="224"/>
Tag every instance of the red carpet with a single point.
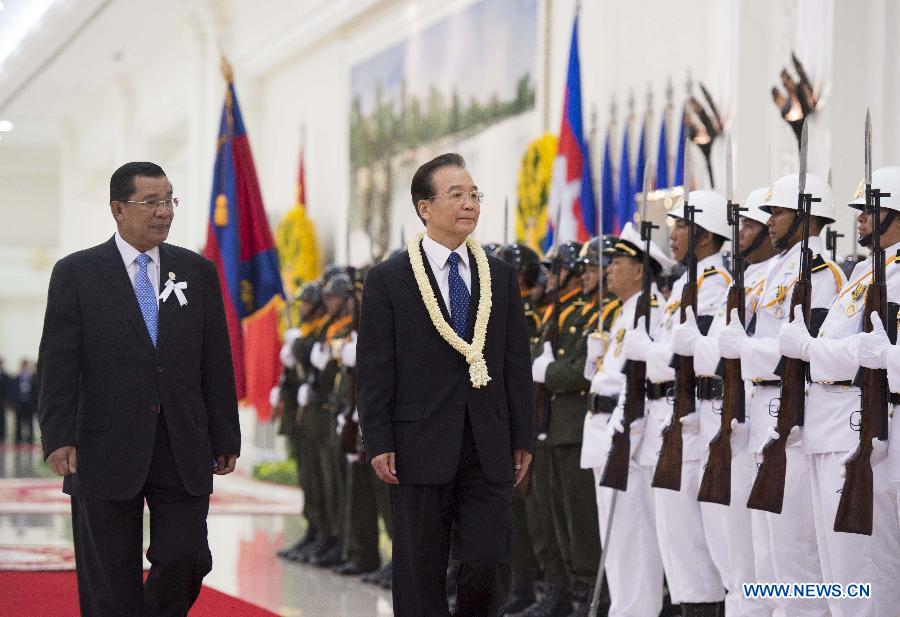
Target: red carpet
<point x="55" y="594"/>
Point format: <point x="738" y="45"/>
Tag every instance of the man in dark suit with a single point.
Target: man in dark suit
<point x="137" y="401"/>
<point x="23" y="389"/>
<point x="450" y="443"/>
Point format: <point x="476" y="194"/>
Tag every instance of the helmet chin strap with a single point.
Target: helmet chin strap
<point x="782" y="243"/>
<point x="757" y="242"/>
<point x="890" y="215"/>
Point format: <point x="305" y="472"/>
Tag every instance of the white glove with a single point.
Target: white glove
<point x="793" y="438"/>
<point x="341" y="421"/>
<point x="348" y="351"/>
<point x="740" y="432"/>
<point x="286" y="355"/>
<point x="872" y="347"/>
<point x="319" y="356"/>
<point x="275" y="396"/>
<point x="879" y="453"/>
<point x="794" y="339"/>
<point x="303" y="395"/>
<point x="596" y="348"/>
<point x="666" y="423"/>
<point x="685" y="335"/>
<point x="732" y="338"/>
<point x="540" y="364"/>
<point x="596" y="382"/>
<point x="690" y="424"/>
<point x="636" y="341"/>
<point x="615" y="425"/>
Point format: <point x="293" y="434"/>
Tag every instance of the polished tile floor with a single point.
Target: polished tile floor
<point x="243" y="547"/>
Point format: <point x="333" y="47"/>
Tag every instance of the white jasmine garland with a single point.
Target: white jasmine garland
<point x="474" y="352"/>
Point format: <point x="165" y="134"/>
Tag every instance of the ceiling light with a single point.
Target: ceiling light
<point x="5" y="126"/>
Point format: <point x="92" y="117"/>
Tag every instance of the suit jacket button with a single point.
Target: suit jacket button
<point x="154" y="408"/>
<point x="160" y="369"/>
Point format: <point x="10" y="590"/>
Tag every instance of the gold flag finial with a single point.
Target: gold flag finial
<point x="227" y="73"/>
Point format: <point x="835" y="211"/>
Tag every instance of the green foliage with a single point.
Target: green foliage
<point x="280" y="472"/>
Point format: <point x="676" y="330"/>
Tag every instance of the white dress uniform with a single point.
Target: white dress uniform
<point x="893" y="458"/>
<point x="634" y="570"/>
<point x="789" y="536"/>
<point x="728" y="528"/>
<point x="831" y="430"/>
<point x="690" y="572"/>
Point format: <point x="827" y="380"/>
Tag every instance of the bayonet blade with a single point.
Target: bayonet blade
<point x="644" y="196"/>
<point x="804" y="148"/>
<point x="868" y="148"/>
<point x="685" y="170"/>
<point x="729" y="176"/>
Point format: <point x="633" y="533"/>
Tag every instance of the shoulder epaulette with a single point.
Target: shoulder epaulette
<point x="654" y="301"/>
<point x="818" y="263"/>
<point x="710" y="270"/>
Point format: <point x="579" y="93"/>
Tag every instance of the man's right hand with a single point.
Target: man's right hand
<point x="62" y="461"/>
<point x="385" y="467"/>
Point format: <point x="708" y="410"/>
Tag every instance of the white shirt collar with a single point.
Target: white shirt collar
<point x="129" y="253"/>
<point x="439" y="253"/>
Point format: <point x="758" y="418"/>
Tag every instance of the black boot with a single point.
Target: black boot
<point x="554" y="603"/>
<point x="303" y="542"/>
<point x="518" y="600"/>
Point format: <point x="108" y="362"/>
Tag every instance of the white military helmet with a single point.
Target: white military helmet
<point x="630" y="243"/>
<point x="714" y="215"/>
<point x="783" y="194"/>
<point x="886" y="180"/>
<point x="753" y="202"/>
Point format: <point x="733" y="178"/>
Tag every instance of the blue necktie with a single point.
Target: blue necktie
<point x="459" y="297"/>
<point x="146" y="297"/>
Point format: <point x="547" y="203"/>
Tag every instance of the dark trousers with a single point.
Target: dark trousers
<point x="25" y="423"/>
<point x="470" y="513"/>
<point x="108" y="537"/>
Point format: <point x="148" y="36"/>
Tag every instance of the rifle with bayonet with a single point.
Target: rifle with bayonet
<point x="855" y="508"/>
<point x="768" y="487"/>
<point x="715" y="486"/>
<point x="349" y="438"/>
<point x="668" y="466"/>
<point x="615" y="473"/>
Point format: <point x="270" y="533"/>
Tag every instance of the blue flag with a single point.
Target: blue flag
<point x="679" y="160"/>
<point x="625" y="201"/>
<point x="607" y="190"/>
<point x="639" y="166"/>
<point x="662" y="156"/>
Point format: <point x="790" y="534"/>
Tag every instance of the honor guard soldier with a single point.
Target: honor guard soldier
<point x="560" y="370"/>
<point x="727" y="526"/>
<point x="530" y="516"/>
<point x="633" y="566"/>
<point x="791" y="534"/>
<point x="694" y="581"/>
<point x="831" y="430"/>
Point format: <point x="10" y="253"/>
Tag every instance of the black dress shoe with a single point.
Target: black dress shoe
<point x="303" y="542"/>
<point x="386" y="578"/>
<point x="329" y="558"/>
<point x="351" y="568"/>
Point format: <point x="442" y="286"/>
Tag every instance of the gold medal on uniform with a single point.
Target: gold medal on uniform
<point x="779" y="312"/>
<point x="851" y="309"/>
<point x="858" y="292"/>
<point x="620" y="337"/>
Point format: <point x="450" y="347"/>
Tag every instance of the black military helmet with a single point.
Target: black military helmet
<point x="491" y="248"/>
<point x="566" y="255"/>
<point x="339" y="285"/>
<point x="523" y="260"/>
<point x="332" y="270"/>
<point x="311" y="293"/>
<point x="596" y="246"/>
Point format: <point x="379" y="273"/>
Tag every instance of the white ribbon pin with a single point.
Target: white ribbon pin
<point x="178" y="288"/>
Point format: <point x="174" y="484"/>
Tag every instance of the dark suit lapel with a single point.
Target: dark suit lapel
<point x="473" y="299"/>
<point x="169" y="308"/>
<point x="434" y="286"/>
<point x="113" y="270"/>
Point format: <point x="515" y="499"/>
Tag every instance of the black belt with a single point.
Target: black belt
<point x="846" y="383"/>
<point x="895" y="398"/>
<point x="656" y="391"/>
<point x="771" y="383"/>
<point x="602" y="404"/>
<point x="709" y="388"/>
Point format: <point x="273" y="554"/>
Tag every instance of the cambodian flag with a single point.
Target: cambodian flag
<point x="571" y="191"/>
<point x="239" y="243"/>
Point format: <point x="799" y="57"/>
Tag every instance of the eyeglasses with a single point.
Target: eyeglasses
<point x="169" y="203"/>
<point x="458" y="197"/>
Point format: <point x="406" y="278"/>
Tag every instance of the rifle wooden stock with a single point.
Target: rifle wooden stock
<point x="768" y="487"/>
<point x="855" y="508"/>
<point x="715" y="487"/>
<point x="668" y="467"/>
<point x="615" y="473"/>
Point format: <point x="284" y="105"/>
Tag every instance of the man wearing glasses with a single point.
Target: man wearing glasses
<point x="136" y="402"/>
<point x="445" y="397"/>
